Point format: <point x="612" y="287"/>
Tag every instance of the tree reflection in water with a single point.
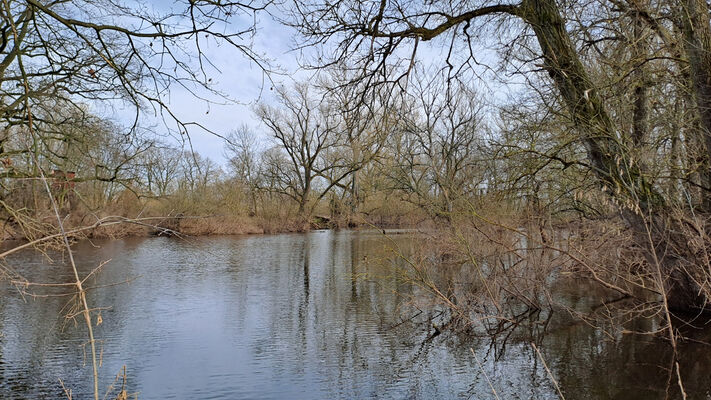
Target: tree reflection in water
<point x="318" y="315"/>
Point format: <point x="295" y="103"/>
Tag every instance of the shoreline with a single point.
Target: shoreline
<point x="116" y="227"/>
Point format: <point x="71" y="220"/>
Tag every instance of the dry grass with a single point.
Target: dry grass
<point x="218" y="225"/>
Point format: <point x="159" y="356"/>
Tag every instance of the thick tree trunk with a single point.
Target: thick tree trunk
<point x="305" y="196"/>
<point x="605" y="149"/>
<point x="678" y="258"/>
<point x="694" y="17"/>
<point x="642" y="205"/>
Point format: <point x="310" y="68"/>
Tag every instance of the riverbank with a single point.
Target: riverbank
<point x="113" y="227"/>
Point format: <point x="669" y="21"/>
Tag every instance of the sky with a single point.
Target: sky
<point x="239" y="78"/>
<point x="245" y="83"/>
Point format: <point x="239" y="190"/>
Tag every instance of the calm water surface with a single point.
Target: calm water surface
<point x="298" y="316"/>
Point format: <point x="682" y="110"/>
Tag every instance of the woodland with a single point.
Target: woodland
<point x="570" y="136"/>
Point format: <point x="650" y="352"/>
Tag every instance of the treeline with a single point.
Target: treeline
<point x="396" y="159"/>
<point x="430" y="154"/>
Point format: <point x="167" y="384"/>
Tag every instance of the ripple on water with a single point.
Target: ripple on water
<point x="276" y="317"/>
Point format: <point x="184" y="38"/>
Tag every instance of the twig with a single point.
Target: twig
<point x="550" y="375"/>
<point x="80" y="290"/>
<point x="481" y="367"/>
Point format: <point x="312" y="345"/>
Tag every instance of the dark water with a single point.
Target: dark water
<point x="309" y="316"/>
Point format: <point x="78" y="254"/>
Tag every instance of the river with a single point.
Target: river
<point x="297" y="316"/>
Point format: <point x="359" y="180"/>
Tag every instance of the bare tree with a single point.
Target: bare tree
<point x="382" y="39"/>
<point x="311" y="133"/>
<point x="58" y="55"/>
<point x="440" y="135"/>
<point x="243" y="153"/>
<point x="197" y="172"/>
<point x="162" y="166"/>
<point x="365" y="119"/>
<point x="58" y="59"/>
<point x="78" y="51"/>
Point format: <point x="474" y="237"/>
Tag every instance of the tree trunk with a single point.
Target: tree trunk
<point x="640" y="111"/>
<point x="696" y="31"/>
<point x="605" y="150"/>
<point x="355" y="184"/>
<point x="305" y="196"/>
<point x="609" y="157"/>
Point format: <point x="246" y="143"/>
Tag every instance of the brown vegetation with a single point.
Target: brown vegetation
<point x="596" y="167"/>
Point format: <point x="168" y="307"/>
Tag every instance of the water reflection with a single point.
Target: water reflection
<point x="298" y="316"/>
